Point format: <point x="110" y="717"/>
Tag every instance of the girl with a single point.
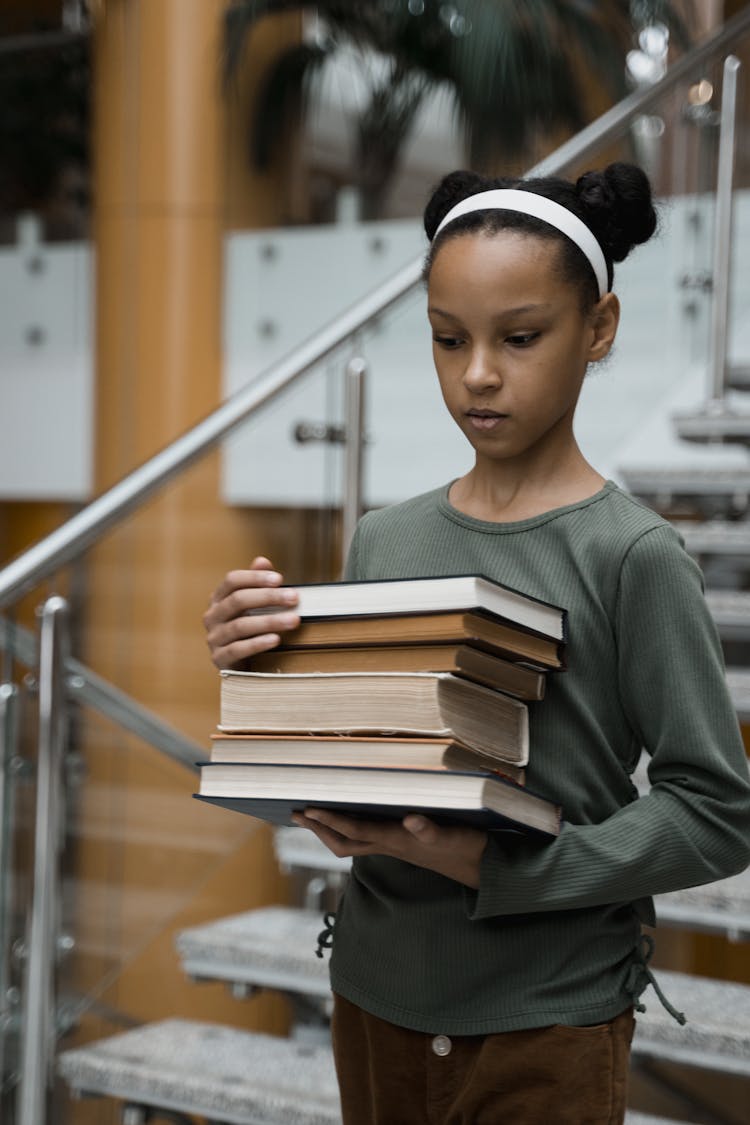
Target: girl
<point x="478" y="978"/>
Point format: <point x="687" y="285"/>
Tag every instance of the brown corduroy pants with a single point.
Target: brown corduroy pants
<point x="557" y="1075"/>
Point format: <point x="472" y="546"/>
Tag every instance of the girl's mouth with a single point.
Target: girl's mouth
<point x="485" y="419"/>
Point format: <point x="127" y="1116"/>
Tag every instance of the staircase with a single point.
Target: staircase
<point x="178" y="1069"/>
<point x="187" y="1068"/>
<point x="713" y="518"/>
<point x="255" y="1079"/>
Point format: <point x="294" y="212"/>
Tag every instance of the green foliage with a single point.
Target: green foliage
<point x="44" y="124"/>
<point x="512" y="67"/>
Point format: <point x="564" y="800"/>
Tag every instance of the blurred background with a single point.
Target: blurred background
<point x="189" y="191"/>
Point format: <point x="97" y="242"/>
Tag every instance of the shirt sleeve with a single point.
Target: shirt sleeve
<point x="693" y="827"/>
<point x="353" y="568"/>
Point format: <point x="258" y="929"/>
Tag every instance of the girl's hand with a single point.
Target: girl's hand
<point x="232" y="633"/>
<point x="455" y="852"/>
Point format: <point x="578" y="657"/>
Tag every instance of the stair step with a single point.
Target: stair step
<point x="738" y="376"/>
<point x="634" y="1118"/>
<point x="271" y="947"/>
<point x="256" y="1079"/>
<point x="239" y="1077"/>
<point x="730" y="610"/>
<point x="300" y="848"/>
<point x="717" y="1034"/>
<point x="252" y="1079"/>
<point x="720" y="427"/>
<point x="692" y="480"/>
<point x="722" y="907"/>
<point x="738" y="680"/>
<point x="715" y="537"/>
<point x="714" y="488"/>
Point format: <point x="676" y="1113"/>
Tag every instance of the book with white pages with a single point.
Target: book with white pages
<point x="395" y="596"/>
<point x="436" y="704"/>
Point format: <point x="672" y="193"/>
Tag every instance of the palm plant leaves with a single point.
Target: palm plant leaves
<point x="511" y="66"/>
<point x="382" y="128"/>
<point x="281" y="98"/>
<point x="44" y="123"/>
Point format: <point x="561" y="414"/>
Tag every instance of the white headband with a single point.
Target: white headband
<point x="529" y="203"/>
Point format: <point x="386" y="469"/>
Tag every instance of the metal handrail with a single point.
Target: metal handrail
<point x="354" y="429"/>
<point x="86" y="687"/>
<point x="722" y="265"/>
<point x="87" y="526"/>
<point x="9" y="730"/>
<point x="37" y="1045"/>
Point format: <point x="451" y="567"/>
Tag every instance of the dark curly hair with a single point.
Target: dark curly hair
<point x="615" y="204"/>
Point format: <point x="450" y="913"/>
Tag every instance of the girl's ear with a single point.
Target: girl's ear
<point x="605" y="318"/>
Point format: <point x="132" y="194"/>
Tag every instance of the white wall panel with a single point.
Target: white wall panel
<point x="46" y="369"/>
<point x="281" y="285"/>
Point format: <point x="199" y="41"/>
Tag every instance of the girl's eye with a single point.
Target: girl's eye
<point x="522" y="339"/>
<point x="448" y="341"/>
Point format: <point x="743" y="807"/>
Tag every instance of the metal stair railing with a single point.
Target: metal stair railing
<point x="9" y="729"/>
<point x="60" y="677"/>
<point x="723" y="240"/>
<point x="39" y="1009"/>
<point x="85" y="687"/>
<point x="89" y="525"/>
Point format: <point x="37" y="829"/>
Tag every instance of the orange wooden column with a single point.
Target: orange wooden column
<point x="159" y="200"/>
<point x="159" y="191"/>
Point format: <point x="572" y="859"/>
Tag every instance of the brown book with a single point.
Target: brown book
<point x="437" y="704"/>
<point x="463" y="660"/>
<point x="478" y="798"/>
<point x="461" y="627"/>
<point x="342" y="750"/>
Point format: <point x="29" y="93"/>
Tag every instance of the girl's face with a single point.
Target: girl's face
<point x="511" y="342"/>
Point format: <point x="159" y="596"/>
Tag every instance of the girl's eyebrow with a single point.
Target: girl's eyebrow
<point x="520" y="310"/>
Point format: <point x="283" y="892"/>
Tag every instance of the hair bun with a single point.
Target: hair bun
<point x="618" y="207"/>
<point x="451" y="190"/>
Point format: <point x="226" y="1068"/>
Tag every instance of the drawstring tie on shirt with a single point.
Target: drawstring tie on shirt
<point x="640" y="977"/>
<point x="325" y="937"/>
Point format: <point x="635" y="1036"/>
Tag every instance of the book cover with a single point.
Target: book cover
<point x="485" y="800"/>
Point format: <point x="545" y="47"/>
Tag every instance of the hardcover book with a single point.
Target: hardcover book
<point x="477" y="798"/>
<point x="437" y="704"/>
<point x="476" y="629"/>
<point x="340" y="750"/>
<point x="463" y="660"/>
<point x="430" y="595"/>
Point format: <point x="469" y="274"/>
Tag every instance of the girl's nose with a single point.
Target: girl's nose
<point x="482" y="372"/>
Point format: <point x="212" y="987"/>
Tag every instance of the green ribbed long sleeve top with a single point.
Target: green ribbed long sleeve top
<point x="553" y="933"/>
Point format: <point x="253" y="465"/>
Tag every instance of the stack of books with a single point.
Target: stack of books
<point x="392" y="697"/>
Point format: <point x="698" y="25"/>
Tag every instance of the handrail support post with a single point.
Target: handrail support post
<point x="38" y="1011"/>
<point x="9" y="728"/>
<point x="722" y="257"/>
<point x="354" y="410"/>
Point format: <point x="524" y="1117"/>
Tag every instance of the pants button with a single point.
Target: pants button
<point x="442" y="1045"/>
